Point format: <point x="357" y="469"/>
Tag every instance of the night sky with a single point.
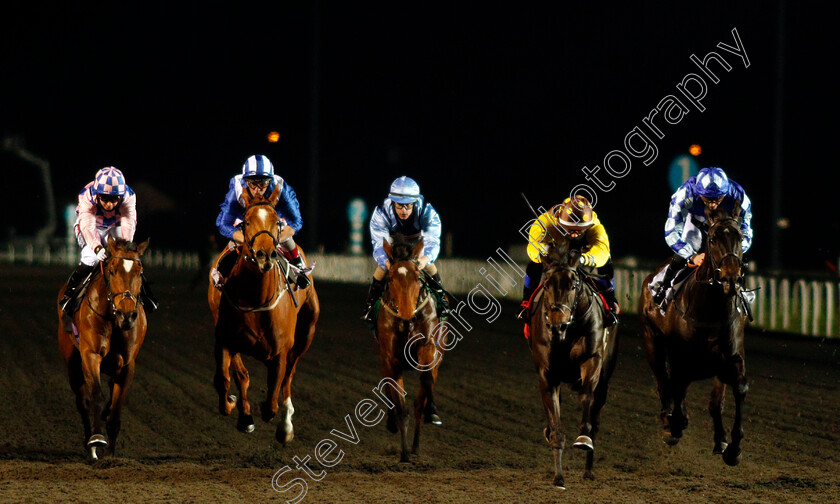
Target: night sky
<point x="476" y="101"/>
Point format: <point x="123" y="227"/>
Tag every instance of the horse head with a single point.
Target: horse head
<point x="561" y="287"/>
<point x="724" y="262"/>
<point x="122" y="272"/>
<point x="261" y="230"/>
<point x="404" y="280"/>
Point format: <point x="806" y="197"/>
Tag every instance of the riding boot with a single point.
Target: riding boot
<point x="443" y="310"/>
<point x="302" y="280"/>
<point x="150" y="302"/>
<point x="68" y="302"/>
<point x="614" y="309"/>
<point x="677" y="263"/>
<point x="376" y="289"/>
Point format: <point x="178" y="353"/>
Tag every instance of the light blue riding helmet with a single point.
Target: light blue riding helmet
<point x="257" y="166"/>
<point x="404" y="190"/>
<point x="712" y="182"/>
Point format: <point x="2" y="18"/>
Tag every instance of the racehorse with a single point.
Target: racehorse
<point x="569" y="344"/>
<point x="111" y="326"/>
<point x="701" y="335"/>
<point x="257" y="312"/>
<point x="408" y="329"/>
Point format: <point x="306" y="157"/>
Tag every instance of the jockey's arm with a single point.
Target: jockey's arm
<point x="599" y="246"/>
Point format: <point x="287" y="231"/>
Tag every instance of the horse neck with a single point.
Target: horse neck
<point x="706" y="302"/>
<point x="247" y="275"/>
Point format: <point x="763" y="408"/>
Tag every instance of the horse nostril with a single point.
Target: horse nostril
<point x="260" y="255"/>
<point x="132" y="317"/>
<point x="274" y="255"/>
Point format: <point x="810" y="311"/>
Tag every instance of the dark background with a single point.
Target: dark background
<point x="476" y="101"/>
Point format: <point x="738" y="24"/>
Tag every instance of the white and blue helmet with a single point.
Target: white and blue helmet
<point x="257" y="166"/>
<point x="404" y="190"/>
<point x="712" y="182"/>
<point x="109" y="181"/>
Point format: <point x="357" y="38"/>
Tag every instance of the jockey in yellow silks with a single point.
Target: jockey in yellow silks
<point x="580" y="224"/>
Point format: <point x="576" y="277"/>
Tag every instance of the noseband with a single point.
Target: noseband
<point x="715" y="278"/>
<point x="252" y="255"/>
<point x="576" y="286"/>
<point x="111" y="297"/>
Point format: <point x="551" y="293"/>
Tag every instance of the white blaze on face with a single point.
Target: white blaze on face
<point x="127" y="265"/>
<point x="262" y="214"/>
<point x="402" y="270"/>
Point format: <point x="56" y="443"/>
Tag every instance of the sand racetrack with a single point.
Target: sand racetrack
<point x="175" y="447"/>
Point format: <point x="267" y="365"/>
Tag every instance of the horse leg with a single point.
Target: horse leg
<point x="732" y="454"/>
<point x="245" y="422"/>
<point x="221" y="380"/>
<point x="553" y="433"/>
<point x="276" y="371"/>
<point x="119" y="388"/>
<point x="716" y="411"/>
<point x="80" y="390"/>
<point x="424" y="405"/>
<point x="597" y="404"/>
<point x="679" y="419"/>
<point x="654" y="346"/>
<point x="91" y="363"/>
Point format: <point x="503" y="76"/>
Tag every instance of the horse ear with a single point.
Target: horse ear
<point x="736" y="212"/>
<point x="417" y="251"/>
<point x="274" y="197"/>
<point x="388" y="252"/>
<point x="111" y="244"/>
<point x="143" y="246"/>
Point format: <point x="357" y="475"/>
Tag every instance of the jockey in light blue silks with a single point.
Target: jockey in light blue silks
<point x="404" y="212"/>
<point x="259" y="180"/>
<point x="686" y="227"/>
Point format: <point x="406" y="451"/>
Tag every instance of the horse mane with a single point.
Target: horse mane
<point x="401" y="247"/>
<point x="559" y="252"/>
<point x="126" y="245"/>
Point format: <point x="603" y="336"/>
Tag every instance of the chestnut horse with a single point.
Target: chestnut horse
<point x="111" y="325"/>
<point x="569" y="344"/>
<point x="701" y="335"/>
<point x="257" y="312"/>
<point x="410" y="335"/>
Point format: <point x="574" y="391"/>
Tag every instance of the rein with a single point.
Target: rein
<point x="110" y="296"/>
<point x="579" y="287"/>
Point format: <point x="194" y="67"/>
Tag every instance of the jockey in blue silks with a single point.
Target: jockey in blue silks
<point x="686" y="227"/>
<point x="258" y="179"/>
<point x="404" y="211"/>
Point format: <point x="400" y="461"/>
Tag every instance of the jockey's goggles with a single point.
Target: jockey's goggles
<point x="262" y="183"/>
<point x="109" y="198"/>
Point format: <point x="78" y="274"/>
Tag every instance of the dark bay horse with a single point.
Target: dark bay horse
<point x="569" y="344"/>
<point x="410" y="335"/>
<point x="111" y="324"/>
<point x="701" y="335"/>
<point x="258" y="313"/>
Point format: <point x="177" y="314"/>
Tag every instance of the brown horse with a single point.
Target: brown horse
<point x="701" y="335"/>
<point x="257" y="312"/>
<point x="410" y="335"/>
<point x="569" y="344"/>
<point x="111" y="325"/>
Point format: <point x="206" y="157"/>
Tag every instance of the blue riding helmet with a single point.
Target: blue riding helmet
<point x="109" y="181"/>
<point x="712" y="182"/>
<point x="257" y="166"/>
<point x="404" y="190"/>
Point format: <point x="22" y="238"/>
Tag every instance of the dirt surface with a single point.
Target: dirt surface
<point x="175" y="447"/>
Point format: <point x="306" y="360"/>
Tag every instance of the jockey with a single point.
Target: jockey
<point x="107" y="207"/>
<point x="404" y="212"/>
<point x="258" y="179"/>
<point x="686" y="227"/>
<point x="576" y="220"/>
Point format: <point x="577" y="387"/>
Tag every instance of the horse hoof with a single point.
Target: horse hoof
<point x="97" y="440"/>
<point x="587" y="475"/>
<point x="284" y="438"/>
<point x="584" y="443"/>
<point x="732" y="456"/>
<point x="719" y="448"/>
<point x="559" y="483"/>
<point x="245" y="424"/>
<point x="231" y="399"/>
<point x="265" y="412"/>
<point x="433" y="419"/>
<point x="669" y="439"/>
<point x="404" y="458"/>
<point x="546" y="434"/>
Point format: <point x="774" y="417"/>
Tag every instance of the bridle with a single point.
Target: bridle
<point x="109" y="295"/>
<point x="715" y="265"/>
<point x="391" y="307"/>
<point x="577" y="286"/>
<point x="251" y="254"/>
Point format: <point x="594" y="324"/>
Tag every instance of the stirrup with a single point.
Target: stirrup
<point x="302" y="281"/>
<point x="367" y="316"/>
<point x="524" y="314"/>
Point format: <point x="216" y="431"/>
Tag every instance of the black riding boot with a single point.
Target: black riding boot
<point x="441" y="292"/>
<point x="612" y="316"/>
<point x="376" y="288"/>
<point x="150" y="302"/>
<point x="68" y="302"/>
<point x="677" y="263"/>
<point x="302" y="280"/>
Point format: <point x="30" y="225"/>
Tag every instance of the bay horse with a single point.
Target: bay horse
<point x="257" y="312"/>
<point x="701" y="335"/>
<point x="409" y="334"/>
<point x="111" y="326"/>
<point x="569" y="344"/>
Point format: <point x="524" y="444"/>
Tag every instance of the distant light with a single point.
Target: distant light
<point x="695" y="150"/>
<point x="273" y="137"/>
<point x="783" y="223"/>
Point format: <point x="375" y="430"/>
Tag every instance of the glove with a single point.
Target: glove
<point x="101" y="253"/>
